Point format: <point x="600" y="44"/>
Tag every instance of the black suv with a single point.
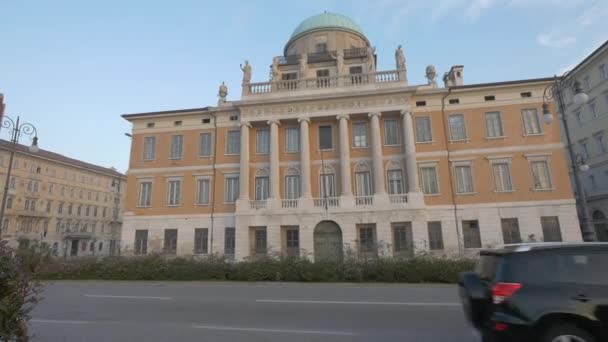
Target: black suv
<point x="549" y="292"/>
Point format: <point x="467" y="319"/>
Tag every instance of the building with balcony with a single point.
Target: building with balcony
<point x="73" y="207"/>
<point x="588" y="124"/>
<point x="332" y="156"/>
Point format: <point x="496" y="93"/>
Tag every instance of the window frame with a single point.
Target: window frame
<point x="547" y="160"/>
<point x="435" y="245"/>
<point x="434" y="166"/>
<point x="232" y="177"/>
<point x="198" y="180"/>
<point x="178" y="199"/>
<point x="397" y="123"/>
<point x="365" y="136"/>
<point x="229" y="133"/>
<point x="201" y="147"/>
<point x="500" y="121"/>
<point x="498" y="161"/>
<point x="266" y="146"/>
<point x="202" y="246"/>
<point x="153" y="138"/>
<point x="180" y="145"/>
<point x="389" y="180"/>
<point x="140" y="183"/>
<point x="459" y="164"/>
<point x="538" y="121"/>
<point x="430" y="126"/>
<point x="299" y="138"/>
<point x="331" y="130"/>
<point x="464" y="127"/>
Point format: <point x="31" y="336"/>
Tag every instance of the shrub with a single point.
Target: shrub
<point x="19" y="291"/>
<point x="418" y="269"/>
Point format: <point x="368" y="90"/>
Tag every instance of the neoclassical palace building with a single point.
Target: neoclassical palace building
<point x="332" y="155"/>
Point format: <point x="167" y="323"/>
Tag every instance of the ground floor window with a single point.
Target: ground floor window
<point x="201" y="237"/>
<point x="259" y="240"/>
<point x="435" y="235"/>
<point x="470" y="233"/>
<point x="403" y="240"/>
<point x="170" y="242"/>
<point x="367" y="240"/>
<point x="551" y="229"/>
<point x="292" y="241"/>
<point x="510" y="230"/>
<point x="229" y="241"/>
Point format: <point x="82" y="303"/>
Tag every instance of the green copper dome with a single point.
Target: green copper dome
<point x="326" y="21"/>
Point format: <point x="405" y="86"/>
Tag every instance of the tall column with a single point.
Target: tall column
<point x="411" y="166"/>
<point x="244" y="153"/>
<point x="305" y="157"/>
<point x="344" y="155"/>
<point x="274" y="159"/>
<point x="379" y="186"/>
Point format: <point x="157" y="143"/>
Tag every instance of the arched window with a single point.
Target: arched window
<point x="292" y="183"/>
<point x="363" y="179"/>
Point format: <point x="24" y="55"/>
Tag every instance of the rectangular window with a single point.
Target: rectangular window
<point x="367" y="240"/>
<point x="141" y="241"/>
<point x="205" y="145"/>
<point x="428" y="180"/>
<point x="149" y="148"/>
<point x="470" y="232"/>
<point x="229" y="241"/>
<point x="201" y="240"/>
<point x="360" y="138"/>
<point x="292" y="139"/>
<point x="457" y="127"/>
<point x="325" y="138"/>
<point x="174" y="192"/>
<point x="292" y="187"/>
<point x="510" y="230"/>
<point x="363" y="184"/>
<point x="540" y="175"/>
<point x="531" y="122"/>
<point x="145" y="194"/>
<point x="494" y="125"/>
<point x="464" y="179"/>
<point x="587" y="83"/>
<point x="435" y="235"/>
<point x="262" y="140"/>
<point x="170" y="242"/>
<point x="502" y="176"/>
<point x="262" y="186"/>
<point x="233" y="145"/>
<point x="203" y="190"/>
<point x="600" y="142"/>
<point x="423" y="129"/>
<point x="603" y="72"/>
<point x="395" y="182"/>
<point x="391" y="132"/>
<point x="292" y="241"/>
<point x="551" y="229"/>
<point x="260" y="240"/>
<point x="403" y="239"/>
<point x="584" y="147"/>
<point x="231" y="188"/>
<point x="328" y="185"/>
<point x="177" y="146"/>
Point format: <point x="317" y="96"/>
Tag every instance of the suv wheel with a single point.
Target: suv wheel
<point x="567" y="333"/>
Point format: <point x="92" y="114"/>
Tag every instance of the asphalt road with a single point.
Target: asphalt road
<point x="198" y="311"/>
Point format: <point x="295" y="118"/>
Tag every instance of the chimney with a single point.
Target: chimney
<point x="454" y="76"/>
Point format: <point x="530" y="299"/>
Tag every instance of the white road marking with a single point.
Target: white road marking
<point x="126" y="297"/>
<point x="284" y="331"/>
<point x="56" y="321"/>
<point x="353" y="303"/>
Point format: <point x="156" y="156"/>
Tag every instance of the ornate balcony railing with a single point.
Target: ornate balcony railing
<point x="398" y="198"/>
<point x="364" y="201"/>
<point x="329" y="82"/>
<point x="289" y="203"/>
<point x="289" y="60"/>
<point x="326" y="202"/>
<point x="355" y="53"/>
<point x="257" y="204"/>
<point x="323" y="56"/>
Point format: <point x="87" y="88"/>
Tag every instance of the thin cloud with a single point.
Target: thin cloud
<point x="553" y="41"/>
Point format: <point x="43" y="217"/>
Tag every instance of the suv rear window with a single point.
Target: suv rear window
<point x="582" y="267"/>
<point x="487" y="266"/>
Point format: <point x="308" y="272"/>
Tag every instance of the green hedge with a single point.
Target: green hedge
<point x="419" y="269"/>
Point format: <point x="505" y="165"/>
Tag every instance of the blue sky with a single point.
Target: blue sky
<point x="72" y="67"/>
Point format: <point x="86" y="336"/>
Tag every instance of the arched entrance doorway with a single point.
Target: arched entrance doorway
<point x="601" y="225"/>
<point x="327" y="241"/>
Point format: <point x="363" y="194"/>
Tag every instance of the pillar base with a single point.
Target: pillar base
<point x="382" y="200"/>
<point x="306" y="203"/>
<point x="347" y="201"/>
<point x="415" y="199"/>
<point x="242" y="204"/>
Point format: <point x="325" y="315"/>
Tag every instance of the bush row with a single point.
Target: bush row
<point x="418" y="269"/>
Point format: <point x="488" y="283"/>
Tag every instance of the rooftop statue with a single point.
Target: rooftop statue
<point x="222" y="93"/>
<point x="246" y="72"/>
<point x="431" y="73"/>
<point x="400" y="58"/>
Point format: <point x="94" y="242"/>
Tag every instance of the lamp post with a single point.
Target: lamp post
<point x="555" y="91"/>
<point x="17" y="130"/>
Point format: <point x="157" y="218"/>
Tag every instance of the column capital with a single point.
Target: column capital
<point x="246" y="124"/>
<point x="343" y="116"/>
<point x="372" y="114"/>
<point x="274" y="121"/>
<point x="300" y="120"/>
<point x="406" y="112"/>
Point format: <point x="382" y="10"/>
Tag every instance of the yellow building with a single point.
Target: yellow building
<point x="331" y="154"/>
<point x="71" y="206"/>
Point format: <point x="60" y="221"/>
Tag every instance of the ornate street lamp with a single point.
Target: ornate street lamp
<point x="17" y="130"/>
<point x="554" y="91"/>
